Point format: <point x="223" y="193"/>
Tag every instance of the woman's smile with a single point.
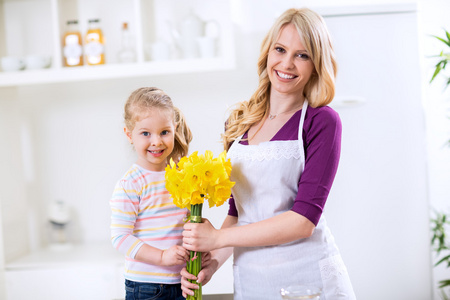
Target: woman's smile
<point x="283" y="75"/>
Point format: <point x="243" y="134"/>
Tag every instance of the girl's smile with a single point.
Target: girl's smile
<point x="156" y="153"/>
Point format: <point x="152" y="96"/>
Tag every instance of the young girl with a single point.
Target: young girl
<point x="145" y="225"/>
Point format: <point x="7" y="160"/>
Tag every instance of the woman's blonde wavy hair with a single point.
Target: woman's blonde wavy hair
<point x="320" y="89"/>
<point x="137" y="108"/>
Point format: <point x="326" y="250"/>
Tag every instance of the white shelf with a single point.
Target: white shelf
<point x="376" y="9"/>
<point x="88" y="73"/>
<point x="147" y="19"/>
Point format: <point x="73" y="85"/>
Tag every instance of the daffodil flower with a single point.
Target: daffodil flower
<point x="194" y="179"/>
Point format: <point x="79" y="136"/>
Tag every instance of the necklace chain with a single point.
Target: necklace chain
<point x="273" y="116"/>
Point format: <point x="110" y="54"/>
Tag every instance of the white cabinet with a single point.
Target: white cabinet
<point x="36" y="27"/>
<point x="83" y="272"/>
<point x="77" y="282"/>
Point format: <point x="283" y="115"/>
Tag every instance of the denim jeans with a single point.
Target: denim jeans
<point x="149" y="291"/>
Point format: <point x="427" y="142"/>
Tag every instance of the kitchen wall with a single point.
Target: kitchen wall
<point x="72" y="148"/>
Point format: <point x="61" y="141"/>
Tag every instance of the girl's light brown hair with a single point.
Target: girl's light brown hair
<point x="142" y="100"/>
<point x="319" y="90"/>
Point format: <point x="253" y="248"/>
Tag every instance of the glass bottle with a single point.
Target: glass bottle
<point x="94" y="47"/>
<point x="72" y="45"/>
<point x="301" y="292"/>
<point x="127" y="53"/>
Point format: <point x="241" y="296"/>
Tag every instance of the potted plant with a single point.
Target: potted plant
<point x="440" y="225"/>
<point x="441" y="221"/>
<point x="445" y="58"/>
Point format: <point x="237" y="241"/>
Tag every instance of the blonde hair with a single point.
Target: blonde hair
<point x="318" y="91"/>
<point x="144" y="99"/>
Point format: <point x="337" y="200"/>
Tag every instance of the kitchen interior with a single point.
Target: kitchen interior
<point x="63" y="147"/>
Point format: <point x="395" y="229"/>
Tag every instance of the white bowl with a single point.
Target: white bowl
<point x="12" y="63"/>
<point x="37" y="61"/>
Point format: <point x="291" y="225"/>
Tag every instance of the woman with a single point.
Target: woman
<point x="284" y="145"/>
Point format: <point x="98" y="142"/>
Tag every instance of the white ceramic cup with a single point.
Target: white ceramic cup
<point x="12" y="63"/>
<point x="207" y="46"/>
<point x="37" y="61"/>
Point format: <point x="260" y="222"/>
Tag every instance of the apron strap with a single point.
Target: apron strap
<point x="302" y="119"/>
<point x="300" y="129"/>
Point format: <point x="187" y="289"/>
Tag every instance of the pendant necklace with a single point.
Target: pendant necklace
<point x="271" y="117"/>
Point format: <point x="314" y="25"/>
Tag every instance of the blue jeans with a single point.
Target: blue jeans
<point x="149" y="291"/>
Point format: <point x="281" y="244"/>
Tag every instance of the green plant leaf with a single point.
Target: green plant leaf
<point x="436" y="71"/>
<point x="445" y="258"/>
<point x="445" y="57"/>
<point x="444" y="283"/>
<point x="442" y="40"/>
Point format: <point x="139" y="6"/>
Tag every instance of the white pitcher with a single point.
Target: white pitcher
<point x="190" y="29"/>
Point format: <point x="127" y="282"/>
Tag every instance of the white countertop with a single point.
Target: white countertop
<point x="75" y="255"/>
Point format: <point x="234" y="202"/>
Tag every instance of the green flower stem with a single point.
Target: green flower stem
<point x="194" y="266"/>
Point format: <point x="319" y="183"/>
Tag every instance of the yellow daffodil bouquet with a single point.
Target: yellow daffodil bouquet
<point x="194" y="179"/>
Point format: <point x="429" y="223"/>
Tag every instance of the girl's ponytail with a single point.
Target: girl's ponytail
<point x="183" y="136"/>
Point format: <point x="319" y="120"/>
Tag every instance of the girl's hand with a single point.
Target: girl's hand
<point x="200" y="237"/>
<point x="175" y="255"/>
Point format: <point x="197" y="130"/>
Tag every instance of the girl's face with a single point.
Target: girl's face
<point x="153" y="138"/>
<point x="289" y="65"/>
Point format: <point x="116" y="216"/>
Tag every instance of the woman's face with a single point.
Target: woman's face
<point x="289" y="65"/>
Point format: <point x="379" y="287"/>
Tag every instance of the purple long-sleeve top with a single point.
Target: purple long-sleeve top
<point x="321" y="134"/>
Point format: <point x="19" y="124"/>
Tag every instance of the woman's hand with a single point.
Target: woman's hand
<point x="211" y="261"/>
<point x="204" y="276"/>
<point x="202" y="237"/>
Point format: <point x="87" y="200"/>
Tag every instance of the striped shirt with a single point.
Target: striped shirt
<point x="142" y="212"/>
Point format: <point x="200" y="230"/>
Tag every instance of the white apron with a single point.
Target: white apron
<point x="267" y="177"/>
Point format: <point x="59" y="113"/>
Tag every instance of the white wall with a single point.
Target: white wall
<point x="79" y="151"/>
<point x="13" y="191"/>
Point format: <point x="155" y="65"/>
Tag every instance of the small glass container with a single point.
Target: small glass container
<point x="127" y="54"/>
<point x="300" y="292"/>
<point x="94" y="47"/>
<point x="72" y="45"/>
